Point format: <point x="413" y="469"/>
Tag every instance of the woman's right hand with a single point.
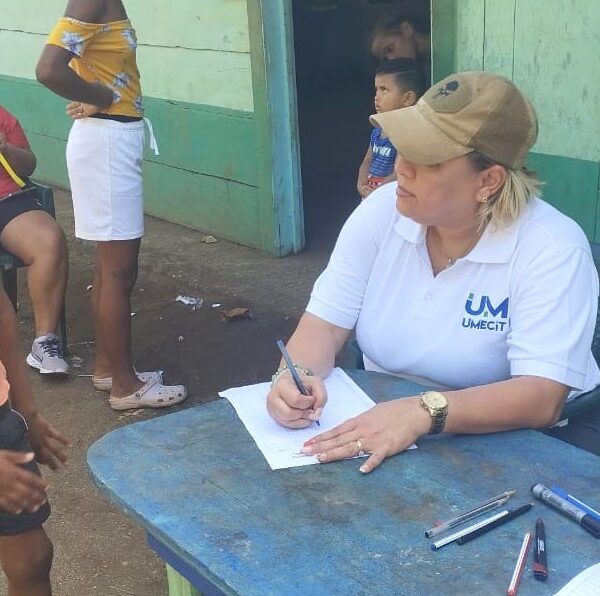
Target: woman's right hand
<point x="288" y="407"/>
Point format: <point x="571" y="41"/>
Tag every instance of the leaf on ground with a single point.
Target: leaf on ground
<point x="232" y="314"/>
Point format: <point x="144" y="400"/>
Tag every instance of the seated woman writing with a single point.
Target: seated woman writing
<point x="32" y="235"/>
<point x="458" y="276"/>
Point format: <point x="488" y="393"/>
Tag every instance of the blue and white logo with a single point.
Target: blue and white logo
<point x="485" y="315"/>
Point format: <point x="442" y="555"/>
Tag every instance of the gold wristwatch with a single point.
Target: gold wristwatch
<point x="436" y="404"/>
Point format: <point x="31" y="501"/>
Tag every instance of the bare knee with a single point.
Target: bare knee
<point x="49" y="248"/>
<point x="53" y="245"/>
<point x="123" y="278"/>
<point x="27" y="559"/>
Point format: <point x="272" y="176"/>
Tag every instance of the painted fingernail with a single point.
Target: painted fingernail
<point x="321" y="456"/>
<point x="364" y="469"/>
<point x="306" y="450"/>
<point x="309" y="442"/>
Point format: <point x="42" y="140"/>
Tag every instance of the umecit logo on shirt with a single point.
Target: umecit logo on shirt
<point x="485" y="315"/>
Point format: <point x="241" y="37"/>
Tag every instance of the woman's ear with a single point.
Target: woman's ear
<point x="491" y="181"/>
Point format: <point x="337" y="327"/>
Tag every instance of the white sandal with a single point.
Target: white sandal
<point x="150" y="395"/>
<point x="105" y="383"/>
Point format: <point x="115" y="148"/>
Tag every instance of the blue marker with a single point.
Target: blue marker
<point x="563" y="493"/>
<point x="293" y="371"/>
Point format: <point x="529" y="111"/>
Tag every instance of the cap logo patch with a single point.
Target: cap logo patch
<point x="449" y="96"/>
<point x="447" y="89"/>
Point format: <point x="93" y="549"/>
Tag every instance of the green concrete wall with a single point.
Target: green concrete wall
<point x="551" y="50"/>
<point x="200" y="89"/>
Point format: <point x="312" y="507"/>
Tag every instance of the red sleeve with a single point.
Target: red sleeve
<point x="10" y="126"/>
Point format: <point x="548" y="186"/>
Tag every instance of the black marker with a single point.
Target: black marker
<point x="498" y="522"/>
<point x="540" y="563"/>
<point x="549" y="497"/>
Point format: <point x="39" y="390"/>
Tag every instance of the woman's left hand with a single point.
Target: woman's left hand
<point x="386" y="429"/>
<point x="48" y="444"/>
<point x="78" y="110"/>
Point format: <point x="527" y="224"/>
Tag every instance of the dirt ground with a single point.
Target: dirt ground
<point x="97" y="549"/>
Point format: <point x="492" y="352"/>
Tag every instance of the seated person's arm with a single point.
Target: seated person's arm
<point x="313" y="346"/>
<point x="363" y="173"/>
<point x="46" y="440"/>
<point x="21" y="159"/>
<point x="522" y="402"/>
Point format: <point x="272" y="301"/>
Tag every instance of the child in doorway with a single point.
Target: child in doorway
<point x="398" y="84"/>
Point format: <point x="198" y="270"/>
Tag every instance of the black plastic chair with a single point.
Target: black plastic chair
<point x="583" y="403"/>
<point x="9" y="264"/>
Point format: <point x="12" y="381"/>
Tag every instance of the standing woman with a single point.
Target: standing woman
<point x="90" y="58"/>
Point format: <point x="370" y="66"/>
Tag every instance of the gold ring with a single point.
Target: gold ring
<point x="361" y="451"/>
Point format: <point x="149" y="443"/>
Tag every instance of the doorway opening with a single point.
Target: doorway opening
<point x="334" y="85"/>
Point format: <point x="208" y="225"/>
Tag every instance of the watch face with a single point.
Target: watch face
<point x="434" y="400"/>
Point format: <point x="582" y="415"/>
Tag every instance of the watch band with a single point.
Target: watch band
<point x="438" y="421"/>
<point x="438" y="414"/>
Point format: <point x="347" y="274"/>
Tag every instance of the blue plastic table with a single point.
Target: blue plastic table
<point x="227" y="524"/>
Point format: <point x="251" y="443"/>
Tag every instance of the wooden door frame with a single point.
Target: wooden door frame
<point x="271" y="33"/>
<point x="281" y="213"/>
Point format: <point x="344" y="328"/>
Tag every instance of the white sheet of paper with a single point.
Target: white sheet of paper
<point x="281" y="446"/>
<point x="586" y="583"/>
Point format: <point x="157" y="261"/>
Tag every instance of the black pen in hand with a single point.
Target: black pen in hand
<point x="293" y="371"/>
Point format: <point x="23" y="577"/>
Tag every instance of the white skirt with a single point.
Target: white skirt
<point x="104" y="159"/>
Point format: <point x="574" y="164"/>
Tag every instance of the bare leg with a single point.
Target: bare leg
<point x="118" y="269"/>
<point x="101" y="362"/>
<point x="26" y="561"/>
<point x="35" y="238"/>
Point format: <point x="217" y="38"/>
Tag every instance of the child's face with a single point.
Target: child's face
<point x="391" y="46"/>
<point x="389" y="95"/>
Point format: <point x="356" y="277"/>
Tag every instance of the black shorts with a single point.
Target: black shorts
<point x="16" y="204"/>
<point x="13" y="436"/>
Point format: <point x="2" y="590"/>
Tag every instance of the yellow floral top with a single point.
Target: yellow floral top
<point x="104" y="53"/>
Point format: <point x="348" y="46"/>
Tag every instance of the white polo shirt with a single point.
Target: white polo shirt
<point x="522" y="302"/>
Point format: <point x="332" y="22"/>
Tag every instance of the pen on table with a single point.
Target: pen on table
<point x="563" y="493"/>
<point x="484" y="507"/>
<point x="540" y="562"/>
<point x="520" y="566"/>
<point x="572" y="511"/>
<point x="293" y="371"/>
<point x="457" y="535"/>
<point x="506" y="518"/>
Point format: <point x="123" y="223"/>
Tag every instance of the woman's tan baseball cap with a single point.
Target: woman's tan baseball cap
<point x="467" y="111"/>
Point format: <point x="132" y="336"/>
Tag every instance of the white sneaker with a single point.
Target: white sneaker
<point x="46" y="356"/>
<point x="150" y="395"/>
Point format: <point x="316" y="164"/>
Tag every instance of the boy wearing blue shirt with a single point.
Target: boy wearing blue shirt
<point x="398" y="84"/>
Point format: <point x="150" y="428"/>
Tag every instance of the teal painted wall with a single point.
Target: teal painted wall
<point x="551" y="50"/>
